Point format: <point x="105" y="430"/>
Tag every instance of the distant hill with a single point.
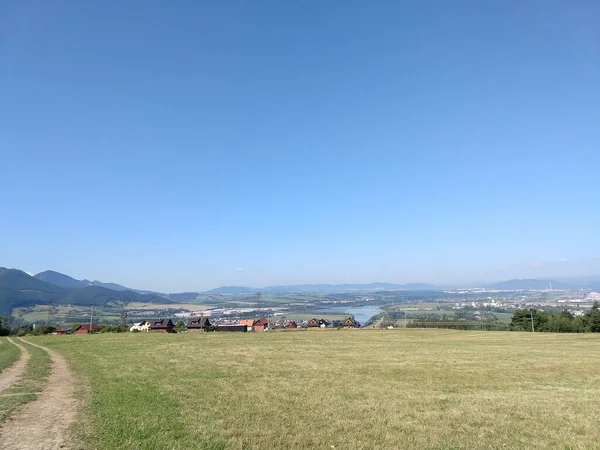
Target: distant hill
<point x="230" y="290"/>
<point x="372" y="287"/>
<point x="312" y="288"/>
<point x="183" y="297"/>
<point x="528" y="284"/>
<point x="18" y="289"/>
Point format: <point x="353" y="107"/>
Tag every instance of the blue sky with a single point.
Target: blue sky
<point x="185" y="145"/>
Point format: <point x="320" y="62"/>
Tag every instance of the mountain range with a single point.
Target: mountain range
<point x="312" y="288"/>
<point x="19" y="289"/>
<point x="62" y="280"/>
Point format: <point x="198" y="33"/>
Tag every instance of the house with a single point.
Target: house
<point x="239" y="328"/>
<point x="198" y="324"/>
<point x="291" y="324"/>
<point x="350" y="323"/>
<point x="162" y="326"/>
<point x="140" y="326"/>
<point x="313" y="323"/>
<point x="86" y="329"/>
<point x="261" y="324"/>
<point x="61" y="331"/>
<point x="249" y="323"/>
<point x="318" y="323"/>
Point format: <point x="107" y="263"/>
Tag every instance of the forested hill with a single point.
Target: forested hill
<point x="18" y="288"/>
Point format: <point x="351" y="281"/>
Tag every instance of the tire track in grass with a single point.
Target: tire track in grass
<point x="9" y="376"/>
<point x="43" y="423"/>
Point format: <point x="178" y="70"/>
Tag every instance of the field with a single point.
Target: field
<point x="357" y="389"/>
<point x="8" y="354"/>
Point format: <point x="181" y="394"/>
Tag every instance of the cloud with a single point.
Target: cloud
<point x="239" y="269"/>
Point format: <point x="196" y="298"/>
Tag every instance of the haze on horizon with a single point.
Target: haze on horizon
<point x="188" y="146"/>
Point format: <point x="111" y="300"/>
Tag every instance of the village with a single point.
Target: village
<point x="204" y="324"/>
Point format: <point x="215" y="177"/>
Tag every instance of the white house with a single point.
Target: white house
<point x="141" y="326"/>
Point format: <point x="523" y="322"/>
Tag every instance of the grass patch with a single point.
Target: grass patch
<point x="24" y="391"/>
<point x="358" y="389"/>
<point x="9" y="353"/>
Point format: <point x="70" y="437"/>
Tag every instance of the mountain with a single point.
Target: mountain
<point x="586" y="282"/>
<point x="372" y="287"/>
<point x="420" y="287"/>
<point x="525" y="284"/>
<point x="18" y="288"/>
<point x="62" y="280"/>
<point x="111" y="286"/>
<point x="230" y="290"/>
<point x="183" y="297"/>
<point x="312" y="288"/>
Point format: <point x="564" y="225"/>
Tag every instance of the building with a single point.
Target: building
<point x="318" y="323"/>
<point x="161" y="326"/>
<point x="61" y="331"/>
<point x="238" y="328"/>
<point x="86" y="329"/>
<point x="291" y="324"/>
<point x="350" y="323"/>
<point x="313" y="323"/>
<point x="198" y="324"/>
<point x="261" y="324"/>
<point x="249" y="323"/>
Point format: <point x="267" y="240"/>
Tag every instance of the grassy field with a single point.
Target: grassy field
<point x="8" y="354"/>
<point x="37" y="370"/>
<point x="68" y="313"/>
<point x="359" y="389"/>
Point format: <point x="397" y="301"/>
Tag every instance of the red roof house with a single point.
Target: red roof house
<point x="260" y="324"/>
<point x="86" y="329"/>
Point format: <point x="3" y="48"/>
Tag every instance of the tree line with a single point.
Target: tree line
<point x="556" y="321"/>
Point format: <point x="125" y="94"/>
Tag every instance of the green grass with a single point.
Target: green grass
<point x="24" y="391"/>
<point x="8" y="353"/>
<point x="359" y="389"/>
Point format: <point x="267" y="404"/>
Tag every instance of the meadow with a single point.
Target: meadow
<point x="359" y="389"/>
<point x="8" y="354"/>
<point x="27" y="386"/>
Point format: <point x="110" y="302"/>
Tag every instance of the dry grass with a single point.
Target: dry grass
<point x="359" y="389"/>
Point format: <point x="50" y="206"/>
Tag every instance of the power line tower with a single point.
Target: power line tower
<point x="258" y="298"/>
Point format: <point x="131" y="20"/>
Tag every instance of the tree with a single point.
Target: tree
<point x="592" y="319"/>
<point x="4" y="326"/>
<point x="521" y="320"/>
<point x="180" y="327"/>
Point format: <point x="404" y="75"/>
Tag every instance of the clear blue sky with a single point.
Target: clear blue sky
<point x="185" y="145"/>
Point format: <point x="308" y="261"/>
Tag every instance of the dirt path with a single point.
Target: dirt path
<point x="43" y="423"/>
<point x="12" y="374"/>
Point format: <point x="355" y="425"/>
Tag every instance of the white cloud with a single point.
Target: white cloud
<point x="239" y="269"/>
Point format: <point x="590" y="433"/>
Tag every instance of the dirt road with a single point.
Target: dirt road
<point x="10" y="375"/>
<point x="43" y="423"/>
